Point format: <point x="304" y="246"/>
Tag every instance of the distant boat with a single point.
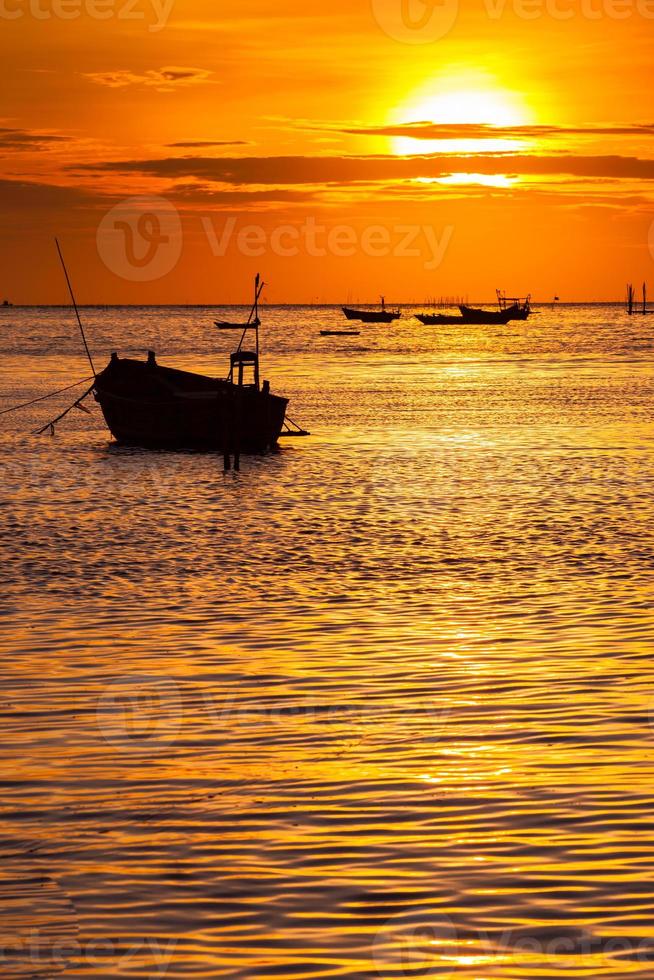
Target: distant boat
<point x="340" y="333"/>
<point x="372" y="316"/>
<point x="508" y="309"/>
<point x="6" y="302"/>
<point x="520" y="308"/>
<point x="228" y="325"/>
<point x="466" y="317"/>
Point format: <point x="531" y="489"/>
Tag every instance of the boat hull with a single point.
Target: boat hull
<point x="148" y="405"/>
<point x="467" y="318"/>
<point x="371" y="316"/>
<point x="514" y="312"/>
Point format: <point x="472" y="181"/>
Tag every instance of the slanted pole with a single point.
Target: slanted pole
<point x="72" y="296"/>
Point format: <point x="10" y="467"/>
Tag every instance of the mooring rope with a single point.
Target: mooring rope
<point x="76" y="404"/>
<point x="43" y="397"/>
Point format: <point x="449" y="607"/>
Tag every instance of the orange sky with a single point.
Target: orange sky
<point x="412" y="147"/>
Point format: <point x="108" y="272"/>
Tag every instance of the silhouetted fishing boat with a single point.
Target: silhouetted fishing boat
<point x="150" y="405"/>
<point x="508" y="309"/>
<point x="228" y="325"/>
<point x="466" y="317"/>
<point x="372" y="316"/>
<point x="146" y="404"/>
<point x="340" y="333"/>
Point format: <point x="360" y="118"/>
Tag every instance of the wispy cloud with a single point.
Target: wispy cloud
<point x="26" y="196"/>
<point x="163" y="79"/>
<point x="22" y="139"/>
<point x="203" y="143"/>
<point x="425" y="130"/>
<point x="351" y="170"/>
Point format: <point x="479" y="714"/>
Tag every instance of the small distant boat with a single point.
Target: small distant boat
<point x="340" y="333"/>
<point x="372" y="316"/>
<point x="228" y="325"/>
<point x="6" y="302"/>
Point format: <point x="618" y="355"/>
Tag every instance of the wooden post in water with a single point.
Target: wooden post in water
<point x="236" y="428"/>
<point x="227" y="465"/>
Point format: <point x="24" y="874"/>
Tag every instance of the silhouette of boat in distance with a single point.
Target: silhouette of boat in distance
<point x="372" y="316"/>
<point x="149" y="405"/>
<point x="228" y="325"/>
<point x="508" y="309"/>
<point x="340" y="333"/>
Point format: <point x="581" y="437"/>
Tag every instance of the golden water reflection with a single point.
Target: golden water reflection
<point x="378" y="706"/>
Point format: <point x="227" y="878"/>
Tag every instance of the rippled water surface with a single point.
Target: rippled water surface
<point x="377" y="706"/>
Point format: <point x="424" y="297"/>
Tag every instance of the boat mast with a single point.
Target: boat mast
<point x="72" y="296"/>
<point x="257" y="292"/>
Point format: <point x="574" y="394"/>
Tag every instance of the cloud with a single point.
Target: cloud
<point x="351" y="170"/>
<point x="208" y="194"/>
<point x="26" y="195"/>
<point x="162" y="79"/>
<point x="201" y="143"/>
<point x="21" y="139"/>
<point x="426" y="130"/>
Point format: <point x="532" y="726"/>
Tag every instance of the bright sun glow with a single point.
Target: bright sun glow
<point x="488" y="104"/>
<point x="463" y="100"/>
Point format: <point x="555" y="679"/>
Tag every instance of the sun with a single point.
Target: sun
<point x="454" y="101"/>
